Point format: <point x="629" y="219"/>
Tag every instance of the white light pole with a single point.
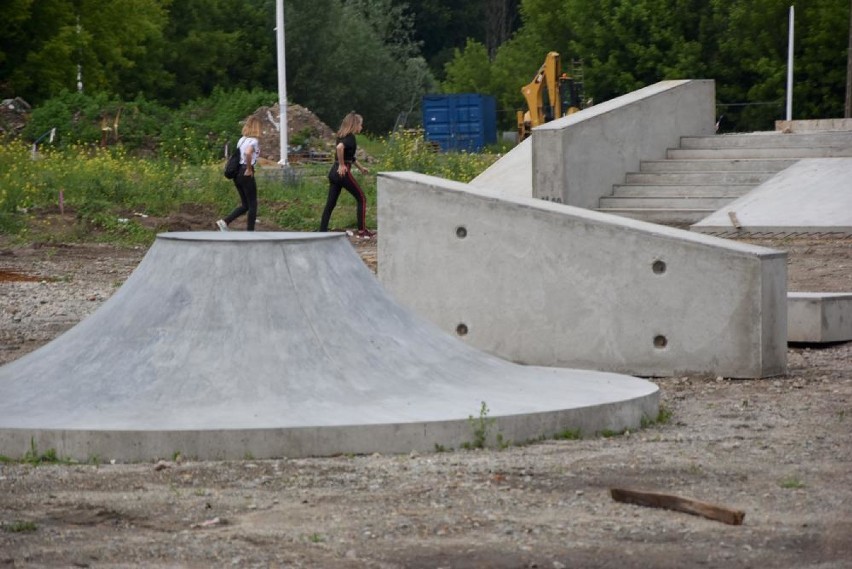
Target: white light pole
<point x="282" y="79"/>
<point x="790" y="66"/>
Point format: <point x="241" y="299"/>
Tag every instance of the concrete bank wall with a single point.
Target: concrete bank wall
<point x="577" y="159"/>
<point x="548" y="284"/>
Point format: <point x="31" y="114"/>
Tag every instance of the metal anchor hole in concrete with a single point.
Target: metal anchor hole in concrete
<point x="461" y="232"/>
<point x="659" y="267"/>
<point x="660" y="341"/>
<point x="461" y="329"/>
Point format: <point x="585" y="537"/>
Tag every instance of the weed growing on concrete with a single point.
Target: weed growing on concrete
<point x="33" y="457"/>
<point x="609" y="433"/>
<point x="480" y="426"/>
<point x="569" y="435"/>
<point x="664" y="416"/>
<point x="316" y="538"/>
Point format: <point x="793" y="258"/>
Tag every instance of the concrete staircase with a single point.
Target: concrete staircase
<point x="708" y="172"/>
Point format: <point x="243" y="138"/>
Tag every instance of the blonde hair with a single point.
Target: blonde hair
<point x="350" y="122"/>
<point x="252" y="127"/>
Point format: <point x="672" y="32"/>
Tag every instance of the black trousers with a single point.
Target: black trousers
<point x="336" y="183"/>
<point x="247" y="188"/>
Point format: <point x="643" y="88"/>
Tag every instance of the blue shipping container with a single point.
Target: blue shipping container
<point x="460" y="122"/>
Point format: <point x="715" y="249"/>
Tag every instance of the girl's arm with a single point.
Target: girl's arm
<point x="249" y="160"/>
<point x="341" y="165"/>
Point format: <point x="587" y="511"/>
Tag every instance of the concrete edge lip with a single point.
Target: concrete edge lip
<point x="296" y="351"/>
<point x="303" y="442"/>
<point x="290" y="236"/>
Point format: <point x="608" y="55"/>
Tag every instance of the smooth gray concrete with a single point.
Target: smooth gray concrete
<point x="577" y="159"/>
<point x="819" y="317"/>
<point x="814" y="125"/>
<point x="749" y="160"/>
<point x="510" y="175"/>
<point x="548" y="284"/>
<point x="223" y="345"/>
<point x="811" y="196"/>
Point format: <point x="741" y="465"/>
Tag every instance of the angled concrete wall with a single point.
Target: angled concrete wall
<point x="577" y="159"/>
<point x="548" y="284"/>
<point x="511" y="175"/>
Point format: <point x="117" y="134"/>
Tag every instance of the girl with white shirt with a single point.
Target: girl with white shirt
<point x="249" y="149"/>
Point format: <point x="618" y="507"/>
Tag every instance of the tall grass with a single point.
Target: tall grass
<point x="107" y="189"/>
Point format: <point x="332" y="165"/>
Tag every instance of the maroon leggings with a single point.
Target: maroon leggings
<point x="336" y="183"/>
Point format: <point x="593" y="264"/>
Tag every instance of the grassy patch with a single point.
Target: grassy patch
<point x="791" y="483"/>
<point x="664" y="417"/>
<point x="20" y="527"/>
<point x="106" y="192"/>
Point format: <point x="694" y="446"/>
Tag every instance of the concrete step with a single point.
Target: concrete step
<point x="770" y="139"/>
<point x="695" y="191"/>
<point x="665" y="202"/>
<point x="661" y="216"/>
<point x="750" y="153"/>
<point x="691" y="178"/>
<point x="712" y="165"/>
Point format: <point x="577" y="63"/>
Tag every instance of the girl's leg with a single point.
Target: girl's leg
<point x="250" y="191"/>
<point x="240" y="209"/>
<point x="353" y="188"/>
<point x="330" y="203"/>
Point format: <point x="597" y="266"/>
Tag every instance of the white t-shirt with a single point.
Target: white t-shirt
<point x="244" y="144"/>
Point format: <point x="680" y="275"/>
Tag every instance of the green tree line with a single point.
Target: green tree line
<point x="341" y="55"/>
<point x="381" y="56"/>
<point x="617" y="46"/>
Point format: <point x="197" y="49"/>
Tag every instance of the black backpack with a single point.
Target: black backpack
<point x="232" y="166"/>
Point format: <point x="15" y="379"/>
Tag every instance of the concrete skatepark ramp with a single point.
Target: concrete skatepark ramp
<point x="223" y="345"/>
<point x="812" y="196"/>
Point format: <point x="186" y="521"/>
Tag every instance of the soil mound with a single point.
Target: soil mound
<point x="308" y="138"/>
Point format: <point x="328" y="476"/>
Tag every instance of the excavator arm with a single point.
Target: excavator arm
<point x="544" y="96"/>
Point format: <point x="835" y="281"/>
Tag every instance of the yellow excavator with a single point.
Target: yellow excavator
<point x="551" y="94"/>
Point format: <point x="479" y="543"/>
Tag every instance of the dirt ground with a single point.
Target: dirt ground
<point x="778" y="449"/>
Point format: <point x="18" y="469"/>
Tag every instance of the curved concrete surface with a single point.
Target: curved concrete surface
<point x="223" y="345"/>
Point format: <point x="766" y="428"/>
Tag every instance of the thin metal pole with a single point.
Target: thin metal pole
<point x="282" y="79"/>
<point x="848" y="110"/>
<point x="790" y="66"/>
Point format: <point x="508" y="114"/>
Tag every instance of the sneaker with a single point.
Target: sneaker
<point x="365" y="234"/>
<point x="222" y="225"/>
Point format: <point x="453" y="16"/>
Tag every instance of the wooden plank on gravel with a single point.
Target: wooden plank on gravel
<point x="679" y="504"/>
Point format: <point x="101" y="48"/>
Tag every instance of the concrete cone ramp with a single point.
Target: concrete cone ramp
<point x="226" y="345"/>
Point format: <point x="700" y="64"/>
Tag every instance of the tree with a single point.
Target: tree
<point x="500" y="18"/>
<point x="353" y="56"/>
<point x="53" y="39"/>
<point x="627" y="44"/>
<point x="442" y="26"/>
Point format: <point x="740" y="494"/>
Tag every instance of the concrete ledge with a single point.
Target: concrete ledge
<point x="577" y="159"/>
<point x="819" y="317"/>
<point x="816" y="125"/>
<point x="548" y="284"/>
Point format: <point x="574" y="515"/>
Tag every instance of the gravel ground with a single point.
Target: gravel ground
<point x="778" y="449"/>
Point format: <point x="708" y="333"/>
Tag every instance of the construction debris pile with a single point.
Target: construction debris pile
<point x="13" y="116"/>
<point x="308" y="138"/>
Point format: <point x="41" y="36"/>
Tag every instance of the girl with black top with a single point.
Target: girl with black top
<point x="340" y="175"/>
